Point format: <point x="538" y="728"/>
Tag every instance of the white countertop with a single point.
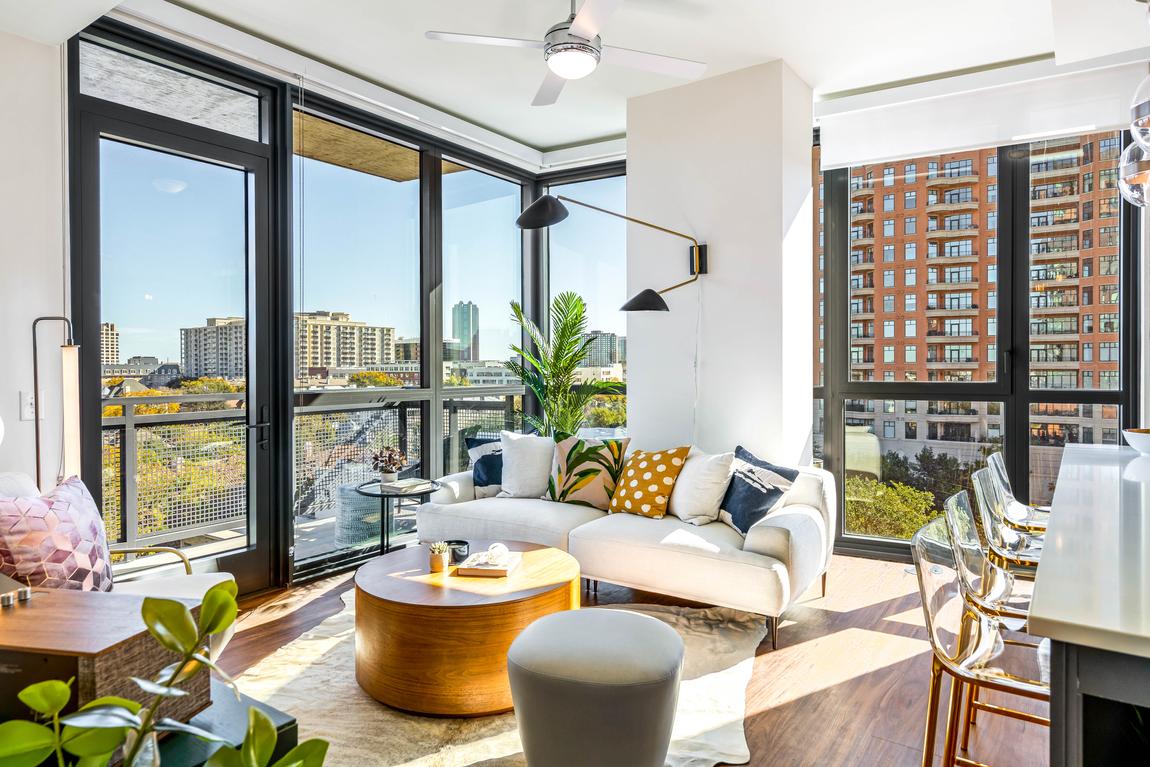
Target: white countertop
<point x="1093" y="582"/>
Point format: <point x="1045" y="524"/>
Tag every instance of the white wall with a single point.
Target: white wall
<point x="727" y="159"/>
<point x="31" y="242"/>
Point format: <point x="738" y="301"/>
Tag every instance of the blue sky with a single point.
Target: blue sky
<point x="173" y="248"/>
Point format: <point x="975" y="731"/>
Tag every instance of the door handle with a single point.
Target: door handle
<point x="262" y="442"/>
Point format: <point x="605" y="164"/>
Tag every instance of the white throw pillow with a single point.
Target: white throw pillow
<point x="526" y="464"/>
<point x="699" y="490"/>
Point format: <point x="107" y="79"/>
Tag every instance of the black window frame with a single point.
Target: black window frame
<point x="278" y="100"/>
<point x="1011" y="386"/>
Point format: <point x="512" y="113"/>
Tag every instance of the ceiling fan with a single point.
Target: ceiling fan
<point x="572" y="49"/>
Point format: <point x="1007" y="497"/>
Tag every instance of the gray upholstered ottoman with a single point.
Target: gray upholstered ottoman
<point x="595" y="688"/>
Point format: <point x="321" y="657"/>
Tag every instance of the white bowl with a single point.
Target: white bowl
<point x="1139" y="439"/>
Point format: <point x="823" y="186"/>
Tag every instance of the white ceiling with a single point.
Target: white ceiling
<point x="833" y="44"/>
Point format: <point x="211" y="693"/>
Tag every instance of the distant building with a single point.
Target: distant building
<point x="163" y="376"/>
<point x="216" y="350"/>
<point x="135" y="367"/>
<point x="408" y="350"/>
<point x="334" y="340"/>
<point x="109" y="344"/>
<point x="603" y="350"/>
<point x="465" y="327"/>
<point x="621" y="349"/>
<point x="598" y="373"/>
<point x="485" y="373"/>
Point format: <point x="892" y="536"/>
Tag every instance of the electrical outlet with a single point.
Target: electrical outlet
<point x="27" y="406"/>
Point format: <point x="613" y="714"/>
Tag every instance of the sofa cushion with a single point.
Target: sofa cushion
<point x="192" y="586"/>
<point x="526" y="464"/>
<point x="699" y="490"/>
<point x="756" y="488"/>
<point x="705" y="563"/>
<point x="487" y="475"/>
<point x="586" y="471"/>
<point x="532" y="520"/>
<point x="55" y="541"/>
<point x="647" y="481"/>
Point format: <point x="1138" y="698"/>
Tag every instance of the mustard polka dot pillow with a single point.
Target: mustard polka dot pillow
<point x="647" y="481"/>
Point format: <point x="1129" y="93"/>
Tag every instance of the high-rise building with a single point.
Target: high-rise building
<point x="465" y="328"/>
<point x="216" y="350"/>
<point x="408" y="350"/>
<point x="621" y="348"/>
<point x="334" y="340"/>
<point x="924" y="295"/>
<point x="603" y="350"/>
<point x="109" y="344"/>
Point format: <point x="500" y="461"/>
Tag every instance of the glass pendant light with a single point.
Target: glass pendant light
<point x="1140" y="113"/>
<point x="1134" y="174"/>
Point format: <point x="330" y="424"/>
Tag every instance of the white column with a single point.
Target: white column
<point x="728" y="160"/>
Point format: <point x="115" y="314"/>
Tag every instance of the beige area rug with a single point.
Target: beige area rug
<point x="313" y="678"/>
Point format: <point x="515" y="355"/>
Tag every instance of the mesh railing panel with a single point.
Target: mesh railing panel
<point x="190" y="475"/>
<point x="111" y="459"/>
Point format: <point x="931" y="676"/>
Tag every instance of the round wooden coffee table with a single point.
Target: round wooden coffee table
<point x="436" y="643"/>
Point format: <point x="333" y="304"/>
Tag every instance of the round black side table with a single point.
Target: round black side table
<point x="372" y="489"/>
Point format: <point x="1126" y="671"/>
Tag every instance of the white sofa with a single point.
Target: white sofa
<point x="781" y="557"/>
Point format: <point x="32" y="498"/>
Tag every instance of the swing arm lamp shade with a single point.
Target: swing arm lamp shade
<point x="549" y="210"/>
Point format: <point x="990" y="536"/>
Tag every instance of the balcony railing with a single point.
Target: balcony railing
<point x="174" y="467"/>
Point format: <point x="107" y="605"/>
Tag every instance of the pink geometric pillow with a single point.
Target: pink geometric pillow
<point x="56" y="541"/>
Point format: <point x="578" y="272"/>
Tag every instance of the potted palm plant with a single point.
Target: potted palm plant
<point x="550" y="364"/>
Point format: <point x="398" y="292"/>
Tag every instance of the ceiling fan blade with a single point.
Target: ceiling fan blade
<point x="654" y="62"/>
<point x="509" y="42"/>
<point x="549" y="91"/>
<point x="592" y="16"/>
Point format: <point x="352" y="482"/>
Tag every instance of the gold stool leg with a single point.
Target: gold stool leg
<point x="953" y="713"/>
<point x="931" y="712"/>
<point x="968" y="715"/>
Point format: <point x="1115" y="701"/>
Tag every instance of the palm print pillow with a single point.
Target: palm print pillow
<point x="586" y="470"/>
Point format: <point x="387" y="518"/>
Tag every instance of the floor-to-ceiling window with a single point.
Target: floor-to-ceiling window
<point x="270" y="287"/>
<point x="980" y="306"/>
<point x="356" y="329"/>
<point x="587" y="254"/>
<point x="482" y="276"/>
<point x="172" y="254"/>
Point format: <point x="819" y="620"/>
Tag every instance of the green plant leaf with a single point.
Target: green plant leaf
<point x="170" y="622"/>
<point x="25" y="744"/>
<point x="218" y="610"/>
<point x="310" y="753"/>
<point x="223" y="675"/>
<point x="102" y="717"/>
<point x="156" y="688"/>
<point x="260" y="742"/>
<point x="47" y="698"/>
<point x="95" y="760"/>
<point x="226" y="757"/>
<point x="173" y="725"/>
<point x="190" y="668"/>
<point x="97" y="742"/>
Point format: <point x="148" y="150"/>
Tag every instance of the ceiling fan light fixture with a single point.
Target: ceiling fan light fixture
<point x="572" y="61"/>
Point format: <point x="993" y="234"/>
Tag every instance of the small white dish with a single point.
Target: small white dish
<point x="1139" y="439"/>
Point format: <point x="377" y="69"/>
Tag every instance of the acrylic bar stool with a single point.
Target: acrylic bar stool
<point x="1007" y="546"/>
<point x="978" y="651"/>
<point x="1028" y="519"/>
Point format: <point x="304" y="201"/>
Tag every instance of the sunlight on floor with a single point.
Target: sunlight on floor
<point x="844" y="655"/>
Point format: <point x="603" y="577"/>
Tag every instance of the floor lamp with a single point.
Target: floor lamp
<point x="69" y="400"/>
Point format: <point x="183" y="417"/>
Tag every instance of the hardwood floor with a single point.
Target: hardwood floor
<point x="846" y="686"/>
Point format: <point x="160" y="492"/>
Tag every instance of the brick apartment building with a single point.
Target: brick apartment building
<point x="924" y="294"/>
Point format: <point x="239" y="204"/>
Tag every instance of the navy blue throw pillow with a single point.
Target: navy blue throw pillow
<point x="756" y="487"/>
<point x="488" y="470"/>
